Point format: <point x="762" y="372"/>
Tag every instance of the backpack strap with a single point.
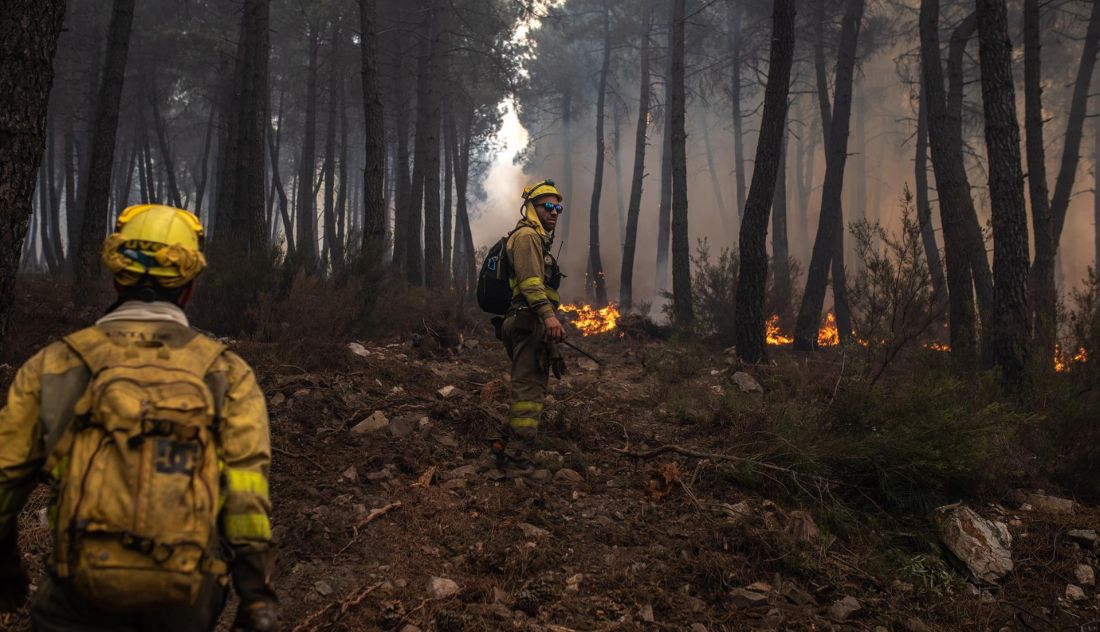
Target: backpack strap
<point x="88" y="344"/>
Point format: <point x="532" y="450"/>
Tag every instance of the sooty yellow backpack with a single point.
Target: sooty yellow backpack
<point x="138" y="493"/>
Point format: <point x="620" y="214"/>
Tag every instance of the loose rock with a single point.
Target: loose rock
<point x="374" y="423"/>
<point x="747" y="383"/>
<point x="1074" y="593"/>
<point x="1086" y="537"/>
<point x="567" y="475"/>
<point x="531" y="531"/>
<point x="401" y="427"/>
<point x="984" y="546"/>
<point x="324" y="588"/>
<point x="358" y="349"/>
<point x="441" y="587"/>
<point x="1085" y="575"/>
<point x="744" y="598"/>
<point x="803" y="527"/>
<point x="1049" y="504"/>
<point x="350" y="474"/>
<point x="844" y="608"/>
<point x="447" y="392"/>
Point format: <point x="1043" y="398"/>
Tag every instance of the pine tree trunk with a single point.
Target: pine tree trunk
<point x="433" y="256"/>
<point x="830" y="231"/>
<point x="403" y="183"/>
<point x="804" y="180"/>
<point x="44" y="209"/>
<point x="307" y="240"/>
<point x="329" y="169"/>
<point x="72" y="214"/>
<point x="735" y="104"/>
<point x="781" y="251"/>
<point x="448" y="200"/>
<point x="924" y="205"/>
<point x="617" y="160"/>
<point x="28" y="39"/>
<point x="1048" y="236"/>
<point x="414" y="251"/>
<point x="595" y="263"/>
<point x="97" y="188"/>
<point x="715" y="185"/>
<point x="161" y="127"/>
<point x="953" y="188"/>
<point x="664" y="209"/>
<point x="1010" y="332"/>
<point x="753" y="271"/>
<point x="565" y="221"/>
<point x="204" y="168"/>
<point x="339" y="248"/>
<point x="682" y="308"/>
<point x="971" y="227"/>
<point x="634" y="207"/>
<point x="55" y="185"/>
<point x="274" y="147"/>
<point x="1096" y="196"/>
<point x="1045" y="314"/>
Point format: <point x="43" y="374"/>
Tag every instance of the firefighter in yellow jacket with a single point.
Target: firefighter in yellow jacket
<point x="531" y="327"/>
<point x="154" y="441"/>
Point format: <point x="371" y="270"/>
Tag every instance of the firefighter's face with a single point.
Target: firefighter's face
<point x="549" y="209"/>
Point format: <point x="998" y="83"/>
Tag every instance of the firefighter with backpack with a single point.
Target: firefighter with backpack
<point x="530" y="327"/>
<point x="154" y="441"/>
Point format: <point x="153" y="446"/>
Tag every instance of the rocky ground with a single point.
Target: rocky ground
<point x="388" y="515"/>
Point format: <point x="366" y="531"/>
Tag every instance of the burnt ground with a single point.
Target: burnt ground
<point x="366" y="520"/>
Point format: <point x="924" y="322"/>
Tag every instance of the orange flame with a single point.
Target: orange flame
<point x="592" y="321"/>
<point x="773" y="334"/>
<point x="938" y="346"/>
<point x="828" y="335"/>
<point x="1063" y="364"/>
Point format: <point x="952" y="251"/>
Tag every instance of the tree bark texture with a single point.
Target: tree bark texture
<point x="307" y="239"/>
<point x="1045" y="307"/>
<point x="682" y="308"/>
<point x="374" y="210"/>
<point x="634" y="206"/>
<point x="752" y="280"/>
<point x="924" y="205"/>
<point x="781" y="251"/>
<point x="433" y="255"/>
<point x="241" y="206"/>
<point x="1049" y="223"/>
<point x="664" y="207"/>
<point x="28" y="39"/>
<point x="595" y="264"/>
<point x="329" y="168"/>
<point x="953" y="189"/>
<point x="97" y="188"/>
<point x="830" y="227"/>
<point x="735" y="101"/>
<point x="971" y="227"/>
<point x="1009" y="332"/>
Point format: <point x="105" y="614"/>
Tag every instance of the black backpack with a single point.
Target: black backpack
<point x="494" y="294"/>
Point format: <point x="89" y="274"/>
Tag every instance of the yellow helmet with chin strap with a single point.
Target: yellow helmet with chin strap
<point x="160" y="243"/>
<point x="539" y="189"/>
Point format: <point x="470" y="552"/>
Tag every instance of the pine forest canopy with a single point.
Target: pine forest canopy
<point x="371" y="131"/>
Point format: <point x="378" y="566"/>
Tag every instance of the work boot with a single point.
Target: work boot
<point x="512" y="450"/>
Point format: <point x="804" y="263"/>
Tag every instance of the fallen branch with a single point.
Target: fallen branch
<point x="344" y="604"/>
<point x="721" y="457"/>
<point x="371" y="517"/>
<point x="298" y="456"/>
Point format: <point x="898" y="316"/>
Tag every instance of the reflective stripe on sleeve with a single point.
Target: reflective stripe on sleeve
<point x="246" y="482"/>
<point x="252" y="526"/>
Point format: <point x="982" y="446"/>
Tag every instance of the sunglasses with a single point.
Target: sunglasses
<point x="550" y="206"/>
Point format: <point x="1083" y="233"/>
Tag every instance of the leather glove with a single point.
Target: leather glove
<point x="257" y="617"/>
<point x="14" y="583"/>
<point x="557" y="362"/>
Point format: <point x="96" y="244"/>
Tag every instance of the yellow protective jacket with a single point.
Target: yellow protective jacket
<point x="41" y="399"/>
<point x="535" y="275"/>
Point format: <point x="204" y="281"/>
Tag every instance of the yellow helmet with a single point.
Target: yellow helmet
<point x="161" y="243"/>
<point x="546" y="187"/>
